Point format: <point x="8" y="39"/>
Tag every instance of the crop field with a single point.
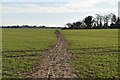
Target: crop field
<point x="27" y="39"/>
<point x="95" y="52"/>
<point x="22" y="49"/>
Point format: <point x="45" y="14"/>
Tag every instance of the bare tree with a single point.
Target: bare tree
<point x="99" y="19"/>
<point x="70" y="25"/>
<point x="106" y="19"/>
<point x="113" y="18"/>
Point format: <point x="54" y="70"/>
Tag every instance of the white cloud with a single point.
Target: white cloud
<point x="32" y="8"/>
<point x="71" y="6"/>
<point x="82" y="4"/>
<point x="89" y="3"/>
<point x="34" y="0"/>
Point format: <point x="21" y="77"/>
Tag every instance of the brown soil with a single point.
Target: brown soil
<point x="55" y="64"/>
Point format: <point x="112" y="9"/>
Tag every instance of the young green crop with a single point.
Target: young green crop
<point x="27" y="39"/>
<point x="95" y="52"/>
<point x="14" y="67"/>
<point x="16" y="63"/>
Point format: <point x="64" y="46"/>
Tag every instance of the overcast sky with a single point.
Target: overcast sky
<point x="53" y="12"/>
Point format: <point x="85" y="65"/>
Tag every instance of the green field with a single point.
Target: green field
<point x="95" y="52"/>
<point x="27" y="39"/>
<point x="15" y="63"/>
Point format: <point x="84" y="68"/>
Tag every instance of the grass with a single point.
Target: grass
<point x="14" y="67"/>
<point x="16" y="63"/>
<point x="27" y="39"/>
<point x="95" y="52"/>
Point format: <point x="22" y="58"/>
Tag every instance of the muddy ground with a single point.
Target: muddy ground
<point x="56" y="63"/>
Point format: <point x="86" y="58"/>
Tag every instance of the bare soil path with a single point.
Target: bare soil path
<point x="56" y="63"/>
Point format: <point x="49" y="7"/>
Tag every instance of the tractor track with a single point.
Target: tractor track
<point x="56" y="63"/>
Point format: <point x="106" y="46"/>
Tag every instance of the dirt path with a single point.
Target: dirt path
<point x="56" y="63"/>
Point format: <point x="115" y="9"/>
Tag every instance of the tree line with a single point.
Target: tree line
<point x="28" y="26"/>
<point x="23" y="26"/>
<point x="98" y="22"/>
